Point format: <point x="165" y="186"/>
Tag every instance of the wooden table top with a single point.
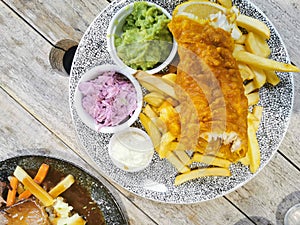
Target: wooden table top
<point x="35" y="116"/>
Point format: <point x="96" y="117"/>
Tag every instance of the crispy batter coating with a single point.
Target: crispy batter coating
<point x="210" y="90"/>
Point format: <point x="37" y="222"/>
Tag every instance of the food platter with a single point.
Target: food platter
<point x="99" y="193"/>
<point x="156" y="181"/>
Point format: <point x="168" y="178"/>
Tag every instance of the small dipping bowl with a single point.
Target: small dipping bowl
<point x="292" y="217"/>
<point x="88" y="119"/>
<point x="115" y="29"/>
<point x="131" y="150"/>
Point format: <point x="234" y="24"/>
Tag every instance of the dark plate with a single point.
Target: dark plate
<point x="98" y="191"/>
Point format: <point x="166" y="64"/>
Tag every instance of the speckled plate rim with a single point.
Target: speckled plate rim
<point x="191" y="192"/>
<point x="108" y="204"/>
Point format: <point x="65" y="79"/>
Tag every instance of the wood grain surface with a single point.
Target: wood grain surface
<point x="34" y="112"/>
<point x="58" y="19"/>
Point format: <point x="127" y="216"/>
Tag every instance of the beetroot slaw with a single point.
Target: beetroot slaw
<point x="109" y="99"/>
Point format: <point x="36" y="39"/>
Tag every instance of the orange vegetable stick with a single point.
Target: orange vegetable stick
<point x="34" y="188"/>
<point x="39" y="178"/>
<point x="11" y="195"/>
<point x="41" y="174"/>
<point x="25" y="194"/>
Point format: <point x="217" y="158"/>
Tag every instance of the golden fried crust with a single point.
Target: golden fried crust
<point x="208" y="77"/>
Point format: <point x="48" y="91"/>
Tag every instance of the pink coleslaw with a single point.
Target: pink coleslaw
<point x="109" y="99"/>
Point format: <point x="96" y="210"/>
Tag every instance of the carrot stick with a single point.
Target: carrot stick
<point x="34" y="188"/>
<point x="11" y="195"/>
<point x="39" y="178"/>
<point x="25" y="194"/>
<point x="41" y="174"/>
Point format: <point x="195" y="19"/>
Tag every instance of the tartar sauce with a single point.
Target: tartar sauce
<point x="131" y="149"/>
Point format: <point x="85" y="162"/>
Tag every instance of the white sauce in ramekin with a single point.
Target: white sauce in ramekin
<point x="131" y="149"/>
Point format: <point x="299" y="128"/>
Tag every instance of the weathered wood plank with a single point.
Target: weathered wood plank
<point x="18" y="130"/>
<point x="290" y="144"/>
<point x="26" y="75"/>
<point x="210" y="212"/>
<point x="59" y="19"/>
<point x="268" y="190"/>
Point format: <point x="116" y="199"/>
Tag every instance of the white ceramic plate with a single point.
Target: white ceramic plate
<point x="156" y="181"/>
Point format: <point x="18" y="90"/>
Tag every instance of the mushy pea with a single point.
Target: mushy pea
<point x="146" y="39"/>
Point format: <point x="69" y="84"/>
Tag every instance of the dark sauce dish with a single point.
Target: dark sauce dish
<point x="88" y="196"/>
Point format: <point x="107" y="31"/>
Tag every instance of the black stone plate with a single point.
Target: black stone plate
<point x="98" y="191"/>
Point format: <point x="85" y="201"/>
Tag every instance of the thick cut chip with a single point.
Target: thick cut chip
<point x="257" y="45"/>
<point x="197" y="173"/>
<point x="263" y="63"/>
<point x="253" y="25"/>
<point x="272" y="77"/>
<point x="211" y="160"/>
<point x="151" y="129"/>
<point x="181" y="168"/>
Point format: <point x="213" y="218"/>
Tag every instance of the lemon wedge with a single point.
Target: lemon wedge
<point x="198" y="10"/>
<point x="203" y="12"/>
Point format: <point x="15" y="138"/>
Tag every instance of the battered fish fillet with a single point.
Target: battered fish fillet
<point x="210" y="89"/>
